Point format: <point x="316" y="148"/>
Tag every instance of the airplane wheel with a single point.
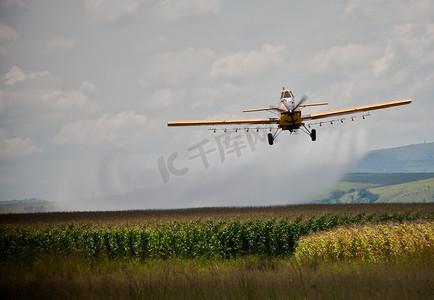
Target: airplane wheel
<point x="270" y="139"/>
<point x="313" y="135"/>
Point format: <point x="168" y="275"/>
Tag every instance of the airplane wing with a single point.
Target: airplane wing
<point x="224" y="122"/>
<point x="313" y="104"/>
<point x="262" y="109"/>
<point x="355" y="110"/>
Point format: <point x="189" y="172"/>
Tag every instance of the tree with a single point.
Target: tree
<point x="338" y="194"/>
<point x="367" y="196"/>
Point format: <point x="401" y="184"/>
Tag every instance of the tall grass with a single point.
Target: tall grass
<point x="241" y="278"/>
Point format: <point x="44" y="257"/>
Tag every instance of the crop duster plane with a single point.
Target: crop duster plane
<point x="289" y="116"/>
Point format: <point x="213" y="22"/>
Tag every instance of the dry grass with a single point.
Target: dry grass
<point x="247" y="278"/>
<point x="369" y="243"/>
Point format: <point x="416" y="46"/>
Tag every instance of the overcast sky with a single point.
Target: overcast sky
<point x="87" y="87"/>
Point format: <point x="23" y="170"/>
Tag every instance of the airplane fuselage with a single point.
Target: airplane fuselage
<point x="290" y="121"/>
<point x="287" y="102"/>
<point x="290" y="117"/>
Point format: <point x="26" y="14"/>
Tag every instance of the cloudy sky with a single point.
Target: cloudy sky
<point x="86" y="89"/>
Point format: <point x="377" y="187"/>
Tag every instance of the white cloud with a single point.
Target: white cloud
<point x="389" y="12"/>
<point x="175" y="10"/>
<point x="7" y="35"/>
<point x="65" y="100"/>
<point x="124" y="127"/>
<point x="383" y="68"/>
<point x="177" y="68"/>
<point x="61" y="44"/>
<point x="382" y="64"/>
<point x="16" y="147"/>
<point x="38" y="105"/>
<point x="343" y="58"/>
<point x="2" y="102"/>
<point x="247" y="63"/>
<point x="415" y="41"/>
<point x="108" y="11"/>
<point x="408" y="57"/>
<point x="62" y="103"/>
<point x="163" y="98"/>
<point x="20" y="3"/>
<point x="16" y="75"/>
<point x="206" y="65"/>
<point x="88" y="87"/>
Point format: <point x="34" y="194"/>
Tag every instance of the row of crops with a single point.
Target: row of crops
<point x="205" y="239"/>
<point x="368" y="243"/>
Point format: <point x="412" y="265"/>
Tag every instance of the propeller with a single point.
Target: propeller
<point x="302" y="100"/>
<point x="289" y="104"/>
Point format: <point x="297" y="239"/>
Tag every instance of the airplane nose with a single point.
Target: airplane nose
<point x="289" y="104"/>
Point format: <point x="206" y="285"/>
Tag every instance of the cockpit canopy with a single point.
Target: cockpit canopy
<point x="286" y="94"/>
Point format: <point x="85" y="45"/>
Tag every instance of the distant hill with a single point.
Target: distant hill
<point x="31" y="205"/>
<point x="402" y="174"/>
<point x="418" y="158"/>
<point x="28" y="200"/>
<point x="381" y="188"/>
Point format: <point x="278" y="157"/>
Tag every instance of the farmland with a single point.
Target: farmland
<point x="135" y="218"/>
<point x="215" y="253"/>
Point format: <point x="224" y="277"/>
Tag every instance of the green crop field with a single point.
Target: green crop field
<point x="221" y="253"/>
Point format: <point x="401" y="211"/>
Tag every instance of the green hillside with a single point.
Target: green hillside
<point x="381" y="188"/>
<point x="402" y="174"/>
<point x="417" y="191"/>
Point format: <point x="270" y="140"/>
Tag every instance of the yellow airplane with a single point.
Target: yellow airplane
<point x="289" y="115"/>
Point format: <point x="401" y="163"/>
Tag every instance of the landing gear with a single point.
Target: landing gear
<point x="272" y="136"/>
<point x="270" y="139"/>
<point x="313" y="135"/>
